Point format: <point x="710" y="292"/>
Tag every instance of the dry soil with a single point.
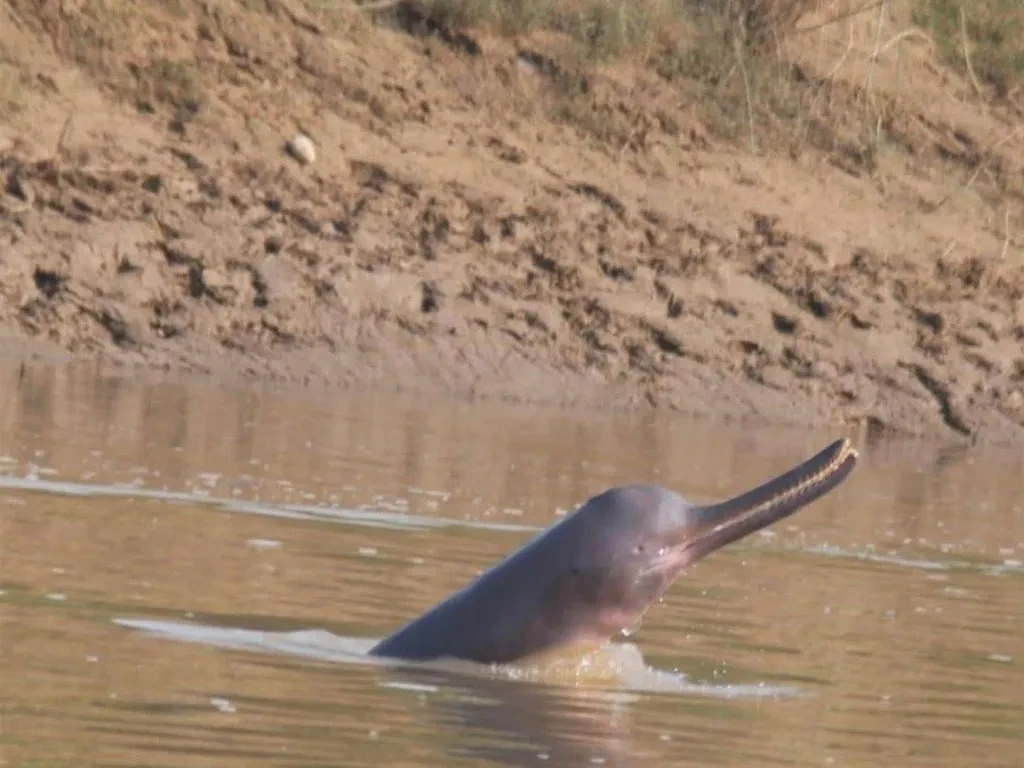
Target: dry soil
<point x="470" y="226"/>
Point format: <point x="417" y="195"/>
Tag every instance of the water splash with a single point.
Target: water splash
<point x="620" y="666"/>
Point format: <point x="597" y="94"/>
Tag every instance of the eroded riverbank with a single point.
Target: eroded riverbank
<point x="447" y="239"/>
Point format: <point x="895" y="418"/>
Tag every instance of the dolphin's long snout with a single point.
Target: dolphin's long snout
<point x="716" y="525"/>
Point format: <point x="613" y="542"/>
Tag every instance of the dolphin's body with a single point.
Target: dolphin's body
<point x="597" y="570"/>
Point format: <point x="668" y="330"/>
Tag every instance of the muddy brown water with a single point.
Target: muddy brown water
<point x="190" y="575"/>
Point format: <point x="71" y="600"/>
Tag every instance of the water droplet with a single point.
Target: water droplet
<point x="632" y="628"/>
<point x="263" y="543"/>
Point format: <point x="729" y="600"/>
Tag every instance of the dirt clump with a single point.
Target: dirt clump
<point x="492" y="215"/>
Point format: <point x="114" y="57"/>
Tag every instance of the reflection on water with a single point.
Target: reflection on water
<point x="188" y="575"/>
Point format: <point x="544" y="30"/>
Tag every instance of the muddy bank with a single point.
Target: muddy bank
<point x="446" y="238"/>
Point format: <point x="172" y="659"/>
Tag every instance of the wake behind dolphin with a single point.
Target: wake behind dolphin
<point x="616" y="667"/>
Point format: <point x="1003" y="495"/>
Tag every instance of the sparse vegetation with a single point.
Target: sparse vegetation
<point x="993" y="31"/>
<point x="606" y="28"/>
<point x="601" y="27"/>
<point x="726" y="52"/>
<point x="173" y="82"/>
<point x="731" y="60"/>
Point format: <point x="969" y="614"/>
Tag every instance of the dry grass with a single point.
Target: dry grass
<point x="991" y="29"/>
<point x="984" y="39"/>
<point x="725" y="52"/>
<point x="605" y="28"/>
<point x="728" y="61"/>
<point x="732" y="60"/>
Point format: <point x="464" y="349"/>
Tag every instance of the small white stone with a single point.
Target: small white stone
<point x="223" y="705"/>
<point x="302" y="149"/>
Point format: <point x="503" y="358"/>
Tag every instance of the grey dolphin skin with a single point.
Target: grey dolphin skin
<point x="597" y="570"/>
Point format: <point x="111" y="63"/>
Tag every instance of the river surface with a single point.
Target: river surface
<point x="190" y="575"/>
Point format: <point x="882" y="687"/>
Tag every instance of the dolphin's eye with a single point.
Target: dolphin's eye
<point x="639" y="549"/>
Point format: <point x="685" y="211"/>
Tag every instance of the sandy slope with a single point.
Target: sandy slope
<point x="452" y="236"/>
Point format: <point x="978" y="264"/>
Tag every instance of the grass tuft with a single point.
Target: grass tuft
<point x="994" y="31"/>
<point x="728" y="48"/>
<point x="608" y="28"/>
<point x="731" y="60"/>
